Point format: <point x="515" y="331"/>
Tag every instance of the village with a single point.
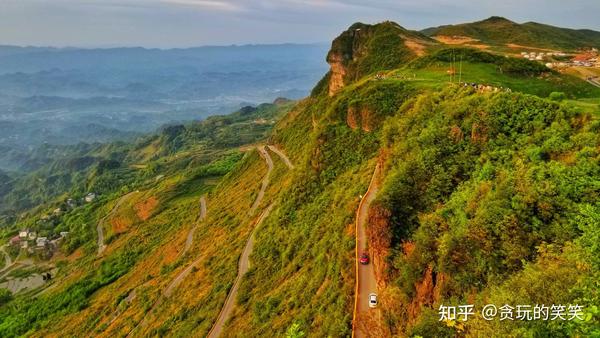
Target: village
<point x="27" y="254"/>
<point x="558" y="60"/>
<point x="45" y="246"/>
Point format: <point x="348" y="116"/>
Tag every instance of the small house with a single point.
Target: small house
<point x="24" y="233"/>
<point x="32" y="235"/>
<point x="71" y="203"/>
<point x="90" y="197"/>
<point x="41" y="241"/>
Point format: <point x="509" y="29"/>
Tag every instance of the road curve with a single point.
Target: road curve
<point x="366" y="282"/>
<point x="190" y="235"/>
<point x="282" y="155"/>
<point x="168" y="291"/>
<point x="265" y="154"/>
<point x="243" y="266"/>
<point x="100" y="230"/>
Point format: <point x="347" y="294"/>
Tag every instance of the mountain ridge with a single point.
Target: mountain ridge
<point x="500" y="31"/>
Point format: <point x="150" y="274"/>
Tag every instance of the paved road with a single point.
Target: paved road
<point x="282" y="155"/>
<point x="366" y="280"/>
<point x="99" y="227"/>
<point x="243" y="266"/>
<point x="265" y="154"/>
<point x="190" y="236"/>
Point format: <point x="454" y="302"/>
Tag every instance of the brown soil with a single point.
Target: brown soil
<point x="144" y="209"/>
<point x="414" y="45"/>
<point x="461" y="40"/>
<point x="120" y="224"/>
<point x="515" y="46"/>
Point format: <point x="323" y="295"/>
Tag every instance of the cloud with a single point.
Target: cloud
<point x="181" y="23"/>
<point x="206" y="4"/>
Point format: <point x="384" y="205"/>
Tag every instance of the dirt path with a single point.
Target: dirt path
<point x="593" y="83"/>
<point x="243" y="266"/>
<point x="7" y="260"/>
<point x="366" y="282"/>
<point x="190" y="236"/>
<point x="244" y="262"/>
<point x="265" y="154"/>
<point x="168" y="291"/>
<point x="282" y="155"/>
<point x="99" y="227"/>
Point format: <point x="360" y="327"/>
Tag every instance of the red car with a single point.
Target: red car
<point x="364" y="258"/>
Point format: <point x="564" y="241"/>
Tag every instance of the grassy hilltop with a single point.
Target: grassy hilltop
<point x="500" y="31"/>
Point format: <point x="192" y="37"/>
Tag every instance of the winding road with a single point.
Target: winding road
<point x="99" y="227"/>
<point x="244" y="262"/>
<point x="366" y="282"/>
<point x="168" y="291"/>
<point x="243" y="266"/>
<point x="280" y="153"/>
<point x="190" y="236"/>
<point x="265" y="182"/>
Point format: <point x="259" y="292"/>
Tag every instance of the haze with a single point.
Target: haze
<point x="184" y="23"/>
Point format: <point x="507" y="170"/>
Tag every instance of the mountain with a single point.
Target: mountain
<point x="356" y="52"/>
<point x="69" y="95"/>
<point x="500" y="31"/>
<point x="471" y="191"/>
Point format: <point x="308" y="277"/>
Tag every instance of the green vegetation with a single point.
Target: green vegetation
<point x="364" y="49"/>
<point x="29" y="315"/>
<point x="484" y="68"/>
<point x="510" y="65"/>
<point x="106" y="169"/>
<point x="500" y="31"/>
<point x="491" y="193"/>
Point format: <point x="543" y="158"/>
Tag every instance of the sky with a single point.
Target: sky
<point x="187" y="23"/>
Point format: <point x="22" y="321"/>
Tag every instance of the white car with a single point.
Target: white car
<point x="372" y="300"/>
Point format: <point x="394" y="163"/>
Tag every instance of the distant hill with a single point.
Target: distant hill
<point x="501" y="31"/>
<point x="70" y="95"/>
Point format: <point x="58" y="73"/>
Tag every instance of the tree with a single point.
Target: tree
<point x="557" y="96"/>
<point x="294" y="331"/>
<point x="5" y="296"/>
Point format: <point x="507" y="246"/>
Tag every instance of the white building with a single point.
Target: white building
<point x="41" y="241"/>
<point x="90" y="197"/>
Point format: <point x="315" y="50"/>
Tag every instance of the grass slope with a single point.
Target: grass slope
<point x="500" y="31"/>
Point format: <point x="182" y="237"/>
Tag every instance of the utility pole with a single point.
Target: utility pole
<point x="460" y="71"/>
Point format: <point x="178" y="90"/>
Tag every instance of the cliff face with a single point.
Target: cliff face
<point x="364" y="49"/>
<point x="338" y="73"/>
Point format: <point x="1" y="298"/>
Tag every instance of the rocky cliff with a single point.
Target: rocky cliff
<point x="364" y="49"/>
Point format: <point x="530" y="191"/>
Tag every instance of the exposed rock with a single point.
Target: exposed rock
<point x="360" y="117"/>
<point x="380" y="239"/>
<point x="364" y="49"/>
